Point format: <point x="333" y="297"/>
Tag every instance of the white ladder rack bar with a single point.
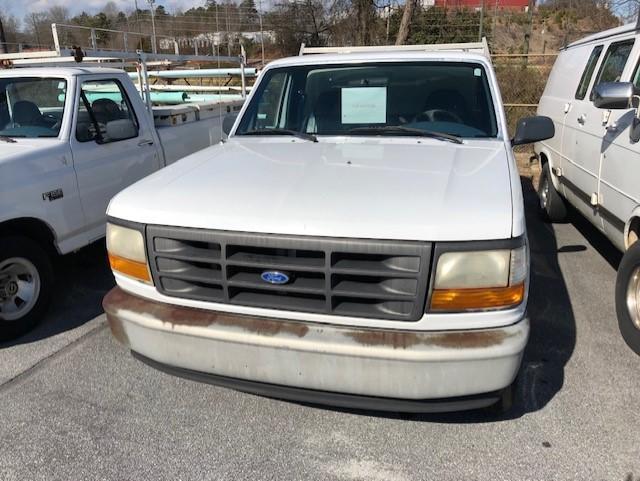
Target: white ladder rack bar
<point x="474" y="47"/>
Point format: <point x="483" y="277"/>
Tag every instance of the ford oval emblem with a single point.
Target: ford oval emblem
<point x="274" y="277"/>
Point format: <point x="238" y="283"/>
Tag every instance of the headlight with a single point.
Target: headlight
<point x="479" y="280"/>
<point x="127" y="254"/>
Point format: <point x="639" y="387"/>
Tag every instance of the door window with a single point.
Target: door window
<point x="613" y="63"/>
<point x="105" y="113"/>
<point x="585" y="80"/>
<point x="270" y="112"/>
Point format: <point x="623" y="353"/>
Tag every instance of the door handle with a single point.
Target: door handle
<point x="144" y="142"/>
<point x="582" y="119"/>
<point x="612" y="128"/>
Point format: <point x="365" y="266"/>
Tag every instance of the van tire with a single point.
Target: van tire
<point x="628" y="297"/>
<point x="552" y="205"/>
<point x="28" y="267"/>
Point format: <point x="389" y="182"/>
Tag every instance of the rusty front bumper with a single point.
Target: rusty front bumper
<point x="345" y="362"/>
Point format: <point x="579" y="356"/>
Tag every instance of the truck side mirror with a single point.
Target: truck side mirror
<point x="121" y="129"/>
<point x="614" y="95"/>
<point x="228" y="121"/>
<point x="533" y="129"/>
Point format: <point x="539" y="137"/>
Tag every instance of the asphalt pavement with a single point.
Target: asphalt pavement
<point x="75" y="405"/>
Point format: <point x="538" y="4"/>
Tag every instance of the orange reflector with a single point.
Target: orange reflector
<point x="137" y="270"/>
<point x="483" y="298"/>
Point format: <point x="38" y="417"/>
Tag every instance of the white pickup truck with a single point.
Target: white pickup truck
<point x="359" y="240"/>
<point x="70" y="139"/>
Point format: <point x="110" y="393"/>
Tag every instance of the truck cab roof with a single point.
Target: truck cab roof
<point x="380" y="56"/>
<point x="57" y="71"/>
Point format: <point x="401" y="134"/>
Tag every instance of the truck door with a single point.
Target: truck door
<point x="618" y="184"/>
<point x="112" y="148"/>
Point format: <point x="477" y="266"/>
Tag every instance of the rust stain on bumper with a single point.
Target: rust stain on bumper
<point x="452" y="340"/>
<point x="118" y="299"/>
<point x="117" y="330"/>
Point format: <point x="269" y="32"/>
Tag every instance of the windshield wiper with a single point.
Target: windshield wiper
<point x="9" y="140"/>
<point x="294" y="133"/>
<point x="400" y="129"/>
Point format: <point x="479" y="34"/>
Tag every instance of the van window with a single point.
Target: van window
<point x="613" y="63"/>
<point x="636" y="76"/>
<point x="588" y="72"/>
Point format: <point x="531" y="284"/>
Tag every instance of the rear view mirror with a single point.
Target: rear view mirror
<point x="614" y="95"/>
<point x="533" y="129"/>
<point x="121" y="129"/>
<point x="227" y="122"/>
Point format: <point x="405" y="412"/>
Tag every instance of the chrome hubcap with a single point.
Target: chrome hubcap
<point x="633" y="297"/>
<point x="19" y="288"/>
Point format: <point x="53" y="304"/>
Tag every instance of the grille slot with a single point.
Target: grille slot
<point x="345" y="277"/>
<point x="293" y="301"/>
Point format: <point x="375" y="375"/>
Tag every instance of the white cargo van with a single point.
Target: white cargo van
<point x="71" y="137"/>
<point x="593" y="161"/>
<point x="359" y="240"/>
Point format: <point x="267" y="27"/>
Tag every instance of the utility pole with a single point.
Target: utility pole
<point x="3" y="39"/>
<point x="527" y="33"/>
<point x="153" y="26"/>
<point x="226" y="9"/>
<point x="261" y="32"/>
<point x="388" y="19"/>
<point x="218" y="31"/>
<point x="481" y="28"/>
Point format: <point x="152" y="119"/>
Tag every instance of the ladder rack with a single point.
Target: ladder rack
<point x="475" y="47"/>
<point x="93" y="55"/>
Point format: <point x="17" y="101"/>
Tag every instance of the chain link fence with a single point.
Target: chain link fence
<point x="522" y="79"/>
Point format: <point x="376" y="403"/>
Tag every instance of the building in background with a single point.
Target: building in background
<point x="491" y="4"/>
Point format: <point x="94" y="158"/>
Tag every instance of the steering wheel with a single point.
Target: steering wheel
<point x="438" y="115"/>
<point x="92" y="130"/>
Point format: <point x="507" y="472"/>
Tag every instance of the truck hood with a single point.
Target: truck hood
<point x="9" y="150"/>
<point x="398" y="188"/>
<point x="22" y="160"/>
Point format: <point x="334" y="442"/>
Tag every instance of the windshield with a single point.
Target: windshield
<point x="374" y="99"/>
<point x="31" y="107"/>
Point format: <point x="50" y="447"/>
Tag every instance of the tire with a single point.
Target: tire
<point x="505" y="403"/>
<point x="551" y="203"/>
<point x="628" y="297"/>
<point x="26" y="283"/>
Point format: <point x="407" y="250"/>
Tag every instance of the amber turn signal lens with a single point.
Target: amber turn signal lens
<point x="474" y="299"/>
<point x="137" y="270"/>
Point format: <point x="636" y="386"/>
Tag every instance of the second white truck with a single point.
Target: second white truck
<point x="70" y="139"/>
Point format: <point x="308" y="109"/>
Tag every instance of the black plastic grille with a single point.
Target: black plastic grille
<point x="348" y="277"/>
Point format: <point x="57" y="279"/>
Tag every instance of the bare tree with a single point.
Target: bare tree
<point x="629" y="10"/>
<point x="405" y="23"/>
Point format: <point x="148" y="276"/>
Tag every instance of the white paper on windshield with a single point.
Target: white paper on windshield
<point x="364" y="105"/>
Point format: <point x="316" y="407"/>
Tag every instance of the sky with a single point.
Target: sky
<point x="19" y="8"/>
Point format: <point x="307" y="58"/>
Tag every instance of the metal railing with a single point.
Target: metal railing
<point x="96" y="38"/>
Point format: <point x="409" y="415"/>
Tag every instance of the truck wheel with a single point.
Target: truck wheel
<point x="628" y="297"/>
<point x="505" y="403"/>
<point x="551" y="203"/>
<point x="26" y="281"/>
